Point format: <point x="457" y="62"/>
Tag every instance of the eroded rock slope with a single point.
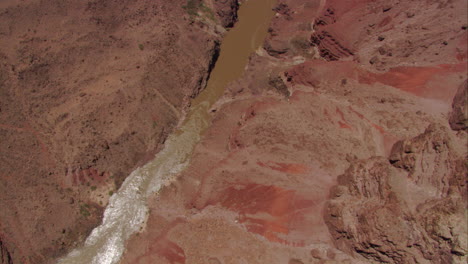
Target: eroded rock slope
<point x="334" y="147"/>
<point x="89" y="90"/>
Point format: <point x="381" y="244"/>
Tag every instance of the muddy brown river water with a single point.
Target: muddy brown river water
<point x="127" y="210"/>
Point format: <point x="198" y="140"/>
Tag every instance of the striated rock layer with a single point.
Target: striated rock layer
<point x="89" y="90"/>
<point x="343" y="142"/>
<point x="413" y="214"/>
<point x="334" y="147"/>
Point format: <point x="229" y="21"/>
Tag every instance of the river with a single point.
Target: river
<point x="127" y="210"/>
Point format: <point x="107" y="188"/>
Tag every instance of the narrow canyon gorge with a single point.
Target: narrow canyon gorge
<point x="233" y="131"/>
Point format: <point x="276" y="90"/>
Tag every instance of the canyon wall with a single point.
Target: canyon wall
<point x="343" y="142"/>
<point x="89" y="90"/>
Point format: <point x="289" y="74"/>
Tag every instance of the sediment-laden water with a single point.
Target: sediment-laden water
<point x="127" y="210"/>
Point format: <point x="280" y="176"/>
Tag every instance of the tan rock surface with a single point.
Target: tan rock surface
<point x="459" y="116"/>
<point x="411" y="215"/>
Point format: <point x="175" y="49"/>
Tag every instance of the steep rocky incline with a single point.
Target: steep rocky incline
<point x="413" y="214"/>
<point x="344" y="141"/>
<point x="335" y="146"/>
<point x="88" y="91"/>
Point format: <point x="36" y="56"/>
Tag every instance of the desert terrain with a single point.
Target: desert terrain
<point x="338" y="145"/>
<point x="344" y="140"/>
<point x="89" y="90"/>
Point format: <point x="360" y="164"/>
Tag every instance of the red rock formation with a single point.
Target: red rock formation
<point x="410" y="215"/>
<point x="333" y="147"/>
<point x="346" y="88"/>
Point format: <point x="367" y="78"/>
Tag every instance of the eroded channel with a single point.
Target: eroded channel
<point x="127" y="210"/>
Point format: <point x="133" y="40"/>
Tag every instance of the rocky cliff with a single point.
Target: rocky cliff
<point x="336" y="145"/>
<point x="89" y="90"/>
<point x="344" y="141"/>
<point x="412" y="214"/>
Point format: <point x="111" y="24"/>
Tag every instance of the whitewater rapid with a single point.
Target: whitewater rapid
<point x="127" y="210"/>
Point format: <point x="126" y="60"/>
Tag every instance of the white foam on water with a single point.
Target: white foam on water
<point x="127" y="210"/>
